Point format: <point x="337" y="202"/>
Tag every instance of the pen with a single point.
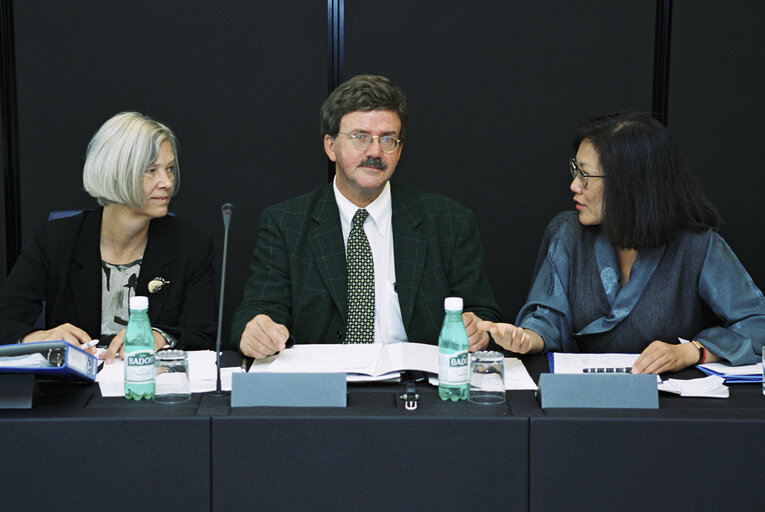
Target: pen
<point x="627" y="369"/>
<point x="91" y="343"/>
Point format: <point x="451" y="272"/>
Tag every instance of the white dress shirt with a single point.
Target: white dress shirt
<point x="389" y="327"/>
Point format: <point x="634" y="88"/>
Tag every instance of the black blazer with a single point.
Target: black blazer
<point x="62" y="266"/>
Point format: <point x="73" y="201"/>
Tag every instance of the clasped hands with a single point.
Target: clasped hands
<point x="263" y="337"/>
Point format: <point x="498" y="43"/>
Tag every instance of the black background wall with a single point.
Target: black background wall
<point x="717" y="111"/>
<point x="3" y="248"/>
<point x="240" y="83"/>
<point x="494" y="91"/>
<point x="494" y="94"/>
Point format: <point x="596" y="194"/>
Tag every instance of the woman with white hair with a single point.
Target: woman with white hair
<point x="85" y="268"/>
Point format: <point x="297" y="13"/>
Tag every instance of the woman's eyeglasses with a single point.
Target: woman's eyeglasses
<point x="576" y="172"/>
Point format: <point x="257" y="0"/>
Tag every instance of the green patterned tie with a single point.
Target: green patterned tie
<point x="361" y="284"/>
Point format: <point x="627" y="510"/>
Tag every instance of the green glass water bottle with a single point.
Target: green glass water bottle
<point x="139" y="352"/>
<point x="453" y="378"/>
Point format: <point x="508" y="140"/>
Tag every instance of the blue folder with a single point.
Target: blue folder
<point x="52" y="359"/>
<point x="733" y="379"/>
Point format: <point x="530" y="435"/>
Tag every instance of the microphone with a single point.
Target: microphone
<point x="227" y="210"/>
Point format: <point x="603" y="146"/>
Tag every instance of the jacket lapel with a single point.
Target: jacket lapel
<point x="85" y="274"/>
<point x="409" y="249"/>
<point x="328" y="248"/>
<point x="157" y="262"/>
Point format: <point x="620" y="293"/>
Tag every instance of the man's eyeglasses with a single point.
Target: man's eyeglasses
<point x="362" y="141"/>
<point x="576" y="172"/>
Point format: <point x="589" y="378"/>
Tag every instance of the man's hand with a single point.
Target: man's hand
<point x="660" y="357"/>
<point x="263" y="337"/>
<point x="514" y="339"/>
<point x="477" y="339"/>
<point x="67" y="332"/>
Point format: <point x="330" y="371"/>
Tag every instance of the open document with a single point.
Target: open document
<point x="374" y="362"/>
<point x="365" y="362"/>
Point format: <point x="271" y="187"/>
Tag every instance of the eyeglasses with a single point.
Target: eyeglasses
<point x="576" y="172"/>
<point x="362" y="141"/>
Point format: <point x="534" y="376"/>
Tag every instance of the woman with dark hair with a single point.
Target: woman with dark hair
<point x="638" y="265"/>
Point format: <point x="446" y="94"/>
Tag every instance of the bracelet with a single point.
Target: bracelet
<point x="170" y="340"/>
<point x="702" y="352"/>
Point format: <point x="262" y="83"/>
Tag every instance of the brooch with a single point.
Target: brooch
<point x="157" y="283"/>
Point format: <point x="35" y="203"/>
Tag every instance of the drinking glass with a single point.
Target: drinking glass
<point x="172" y="384"/>
<point x="487" y="377"/>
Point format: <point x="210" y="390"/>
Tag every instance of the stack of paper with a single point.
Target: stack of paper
<point x="711" y="387"/>
<point x="362" y="362"/>
<point x="202" y="375"/>
<point x="517" y="377"/>
<point x="733" y="374"/>
<point x="28" y="361"/>
<point x="590" y="363"/>
<point x="374" y="362"/>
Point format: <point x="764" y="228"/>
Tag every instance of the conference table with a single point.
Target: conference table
<point x="75" y="449"/>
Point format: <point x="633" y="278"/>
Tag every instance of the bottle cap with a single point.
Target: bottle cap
<point x="453" y="303"/>
<point x="139" y="302"/>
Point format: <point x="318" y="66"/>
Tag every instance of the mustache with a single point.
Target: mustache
<point x="372" y="161"/>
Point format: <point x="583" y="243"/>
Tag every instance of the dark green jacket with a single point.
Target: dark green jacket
<point x="299" y="271"/>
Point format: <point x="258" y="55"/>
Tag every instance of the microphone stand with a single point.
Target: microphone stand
<point x="227" y="210"/>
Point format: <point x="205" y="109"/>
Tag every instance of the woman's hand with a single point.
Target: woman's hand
<point x="117" y="346"/>
<point x="477" y="338"/>
<point x="514" y="339"/>
<point x="67" y="332"/>
<point x="660" y="357"/>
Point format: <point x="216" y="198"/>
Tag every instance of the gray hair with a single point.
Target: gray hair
<point x="119" y="153"/>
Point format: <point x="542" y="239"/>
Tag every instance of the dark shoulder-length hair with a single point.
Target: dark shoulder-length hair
<point x="650" y="196"/>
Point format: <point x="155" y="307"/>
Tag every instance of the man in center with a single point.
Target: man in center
<point x="362" y="260"/>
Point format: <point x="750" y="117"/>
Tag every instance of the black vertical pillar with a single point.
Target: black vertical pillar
<point x="335" y="29"/>
<point x="10" y="134"/>
<point x="661" y="60"/>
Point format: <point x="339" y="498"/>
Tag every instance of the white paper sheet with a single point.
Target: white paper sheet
<point x="202" y="375"/>
<point x="516" y="376"/>
<point x="710" y="387"/>
<point x="36" y="360"/>
<point x="576" y="363"/>
<point x="374" y="359"/>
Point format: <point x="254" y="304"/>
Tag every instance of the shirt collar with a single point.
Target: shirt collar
<point x="379" y="209"/>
